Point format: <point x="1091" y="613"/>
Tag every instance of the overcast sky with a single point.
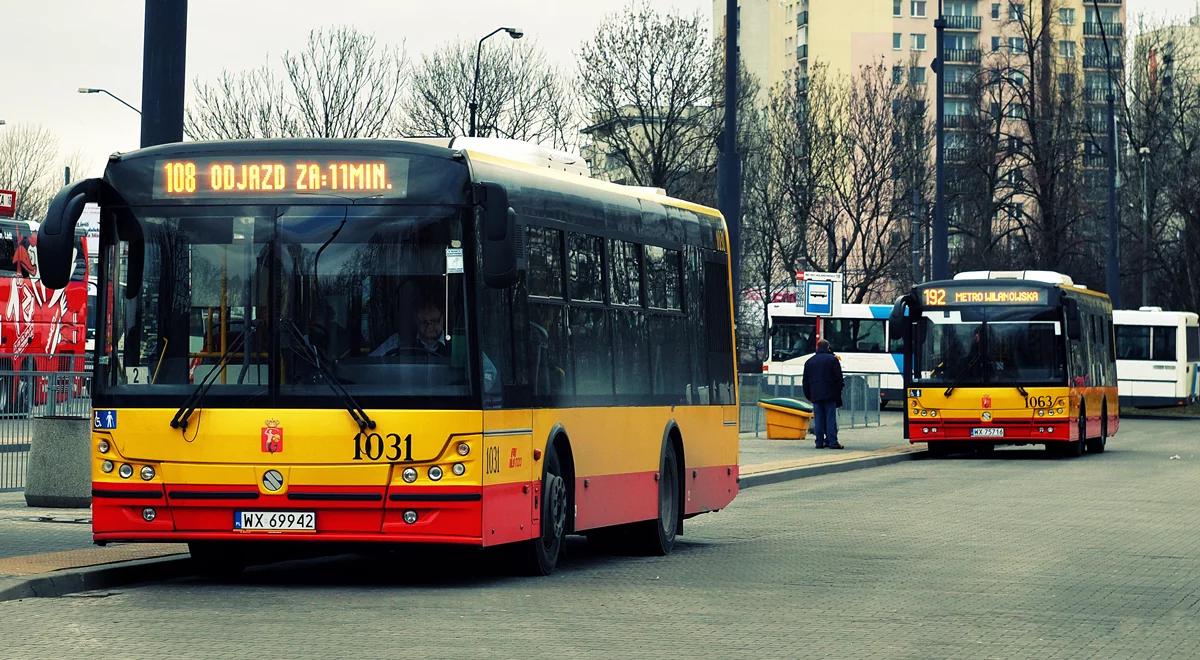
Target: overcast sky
<point x="50" y="48"/>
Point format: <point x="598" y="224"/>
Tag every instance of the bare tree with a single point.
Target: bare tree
<point x="343" y="84"/>
<point x="647" y="88"/>
<point x="520" y="95"/>
<point x="30" y="165"/>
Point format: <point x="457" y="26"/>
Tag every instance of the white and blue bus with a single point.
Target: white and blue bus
<point x="1158" y="357"/>
<point x="859" y="334"/>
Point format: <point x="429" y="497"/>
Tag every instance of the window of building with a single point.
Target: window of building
<point x="916" y="75"/>
<point x="995" y="11"/>
<point x="1016" y="11"/>
<point x="897" y="75"/>
<point x="896" y="7"/>
<point x="587" y="269"/>
<point x="918" y="41"/>
<point x="918" y="8"/>
<point x="1016" y="44"/>
<point x="1066" y="16"/>
<point x="896" y="40"/>
<point x="1066" y="50"/>
<point x="995" y="44"/>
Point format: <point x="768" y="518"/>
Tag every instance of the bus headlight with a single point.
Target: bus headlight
<point x="458" y="469"/>
<point x="106" y="466"/>
<point x="147" y="473"/>
<point x="126" y="470"/>
<point x="409" y="475"/>
<point x="103" y="446"/>
<point x="435" y="473"/>
<point x="463" y="449"/>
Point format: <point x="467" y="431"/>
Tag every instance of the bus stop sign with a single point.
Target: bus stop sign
<point x="8" y="203"/>
<point x="820" y="293"/>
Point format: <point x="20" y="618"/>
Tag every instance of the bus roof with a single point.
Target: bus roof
<point x="1154" y="317"/>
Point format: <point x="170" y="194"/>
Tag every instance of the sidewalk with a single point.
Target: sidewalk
<point x="49" y="552"/>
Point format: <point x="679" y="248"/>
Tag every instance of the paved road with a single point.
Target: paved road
<point x="1015" y="556"/>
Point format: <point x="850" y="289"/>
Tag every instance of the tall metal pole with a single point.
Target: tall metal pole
<point x="941" y="232"/>
<point x="729" y="179"/>
<point x="1144" y="157"/>
<point x="164" y="54"/>
<point x="1113" y="269"/>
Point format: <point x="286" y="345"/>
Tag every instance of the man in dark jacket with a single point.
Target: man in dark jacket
<point x="823" y="387"/>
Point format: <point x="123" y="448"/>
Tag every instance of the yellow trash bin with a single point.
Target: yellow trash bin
<point x="787" y="419"/>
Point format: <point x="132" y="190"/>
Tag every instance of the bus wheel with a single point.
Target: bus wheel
<point x="1076" y="449"/>
<point x="217" y="559"/>
<point x="6" y="395"/>
<point x="1096" y="445"/>
<point x="539" y="556"/>
<point x="657" y="537"/>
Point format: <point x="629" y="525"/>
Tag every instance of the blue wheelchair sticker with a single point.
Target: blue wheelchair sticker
<point x="104" y="419"/>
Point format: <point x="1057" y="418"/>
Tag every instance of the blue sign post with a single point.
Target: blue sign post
<point x="818" y="297"/>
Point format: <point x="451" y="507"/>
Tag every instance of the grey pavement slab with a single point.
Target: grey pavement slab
<point x="889" y="433"/>
<point x="26" y="530"/>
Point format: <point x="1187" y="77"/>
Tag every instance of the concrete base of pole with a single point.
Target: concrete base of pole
<point x="60" y="471"/>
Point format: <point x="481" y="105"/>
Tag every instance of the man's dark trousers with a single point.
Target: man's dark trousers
<point x="825" y="422"/>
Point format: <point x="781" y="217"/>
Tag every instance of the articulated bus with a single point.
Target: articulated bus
<point x="859" y="335"/>
<point x="1158" y="357"/>
<point x="401" y="341"/>
<point x="1004" y="358"/>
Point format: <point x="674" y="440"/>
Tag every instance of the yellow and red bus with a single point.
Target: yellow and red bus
<point x="1008" y="358"/>
<point x="401" y="341"/>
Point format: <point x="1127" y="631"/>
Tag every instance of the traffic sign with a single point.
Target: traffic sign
<point x="8" y="203"/>
<point x="818" y="298"/>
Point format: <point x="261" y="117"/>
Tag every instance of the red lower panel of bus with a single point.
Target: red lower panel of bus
<point x="1013" y="431"/>
<point x="467" y="515"/>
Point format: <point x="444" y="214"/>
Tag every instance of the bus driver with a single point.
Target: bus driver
<point x="429" y="341"/>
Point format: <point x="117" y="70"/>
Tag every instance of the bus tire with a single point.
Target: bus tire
<point x="217" y="559"/>
<point x="1077" y="448"/>
<point x="540" y="556"/>
<point x="1096" y="445"/>
<point x="657" y="537"/>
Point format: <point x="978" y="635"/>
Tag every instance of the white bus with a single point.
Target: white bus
<point x="859" y="335"/>
<point x="1158" y="357"/>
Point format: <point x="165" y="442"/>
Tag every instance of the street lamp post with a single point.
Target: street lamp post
<point x="97" y="90"/>
<point x="1144" y="157"/>
<point x="1113" y="272"/>
<point x="474" y="103"/>
<point x="941" y="232"/>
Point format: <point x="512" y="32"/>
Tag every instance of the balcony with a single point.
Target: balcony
<point x="963" y="55"/>
<point x="802" y="19"/>
<point x="957" y="154"/>
<point x="960" y="121"/>
<point x="1095" y="161"/>
<point x="959" y="88"/>
<point x="1097" y="61"/>
<point x="1095" y="95"/>
<point x="1111" y="30"/>
<point x="802" y="52"/>
<point x="971" y="23"/>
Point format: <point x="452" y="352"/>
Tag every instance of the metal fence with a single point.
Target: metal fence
<point x="860" y="399"/>
<point x="36" y="386"/>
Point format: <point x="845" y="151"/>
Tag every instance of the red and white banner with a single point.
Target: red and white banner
<point x="8" y="203"/>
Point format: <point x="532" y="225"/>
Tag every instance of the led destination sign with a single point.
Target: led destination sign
<point x="233" y="177"/>
<point x="938" y="297"/>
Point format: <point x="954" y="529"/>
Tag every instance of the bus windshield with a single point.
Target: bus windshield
<point x="990" y="345"/>
<point x="373" y="296"/>
<point x="792" y="337"/>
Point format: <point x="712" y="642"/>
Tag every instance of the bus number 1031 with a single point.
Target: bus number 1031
<point x="390" y="447"/>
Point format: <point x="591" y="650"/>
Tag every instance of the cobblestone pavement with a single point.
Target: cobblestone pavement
<point x="1014" y="556"/>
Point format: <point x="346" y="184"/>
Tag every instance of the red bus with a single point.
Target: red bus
<point x="41" y="330"/>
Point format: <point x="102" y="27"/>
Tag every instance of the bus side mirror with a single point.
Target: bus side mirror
<point x="499" y="224"/>
<point x="56" y="236"/>
<point x="899" y="321"/>
<point x="1074" y="329"/>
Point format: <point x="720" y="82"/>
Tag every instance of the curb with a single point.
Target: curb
<point x="803" y="471"/>
<point x="99" y="577"/>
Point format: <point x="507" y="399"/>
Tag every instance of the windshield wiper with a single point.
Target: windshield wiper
<point x="356" y="411"/>
<point x="961" y="375"/>
<point x="192" y="402"/>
